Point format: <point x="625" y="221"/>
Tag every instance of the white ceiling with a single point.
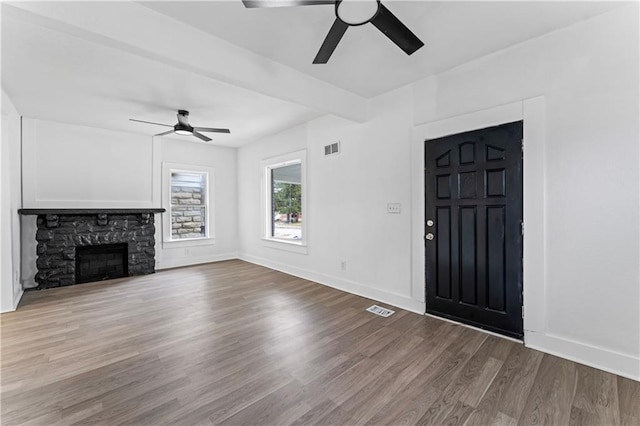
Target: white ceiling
<point x="52" y="75"/>
<point x="366" y="62"/>
<point x="101" y="63"/>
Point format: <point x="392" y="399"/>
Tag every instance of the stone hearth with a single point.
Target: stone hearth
<point x="61" y="231"/>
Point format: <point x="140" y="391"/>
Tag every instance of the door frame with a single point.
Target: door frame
<point x="533" y="114"/>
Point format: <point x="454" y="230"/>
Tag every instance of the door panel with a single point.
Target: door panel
<point x="474" y="197"/>
<point x="496" y="258"/>
<point x="443" y="252"/>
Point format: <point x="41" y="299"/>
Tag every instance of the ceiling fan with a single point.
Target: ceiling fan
<point x="184" y="128"/>
<point x="352" y="13"/>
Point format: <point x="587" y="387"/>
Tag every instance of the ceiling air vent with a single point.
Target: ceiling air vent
<point x="332" y="149"/>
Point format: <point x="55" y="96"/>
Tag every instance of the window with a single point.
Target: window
<point x="188" y="209"/>
<point x="286" y="202"/>
<point x="285" y="199"/>
<point x="189" y="199"/>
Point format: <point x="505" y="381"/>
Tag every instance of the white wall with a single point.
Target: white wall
<point x="223" y="202"/>
<point x="68" y="166"/>
<point x="348" y="196"/>
<point x="10" y="287"/>
<point x="77" y="166"/>
<point x="587" y="76"/>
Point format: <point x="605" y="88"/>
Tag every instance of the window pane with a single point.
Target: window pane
<point x="188" y="205"/>
<point x="286" y="202"/>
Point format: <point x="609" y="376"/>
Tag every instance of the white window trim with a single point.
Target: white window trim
<point x="167" y="242"/>
<point x="266" y="166"/>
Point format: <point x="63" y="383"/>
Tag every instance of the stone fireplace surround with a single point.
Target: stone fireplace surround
<point x="60" y="231"/>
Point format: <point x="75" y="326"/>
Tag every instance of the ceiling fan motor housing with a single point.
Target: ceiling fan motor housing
<point x="183" y="127"/>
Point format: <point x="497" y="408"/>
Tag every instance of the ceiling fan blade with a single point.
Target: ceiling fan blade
<point x="284" y="3"/>
<point x="150" y="122"/>
<point x="330" y="42"/>
<point x="397" y="32"/>
<point x="165" y="133"/>
<point x="201" y="136"/>
<point x="211" y="129"/>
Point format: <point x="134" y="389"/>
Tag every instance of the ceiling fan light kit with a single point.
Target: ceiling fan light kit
<point x="353" y="13"/>
<point x="184" y="128"/>
<point x="362" y="13"/>
<point x="183" y="132"/>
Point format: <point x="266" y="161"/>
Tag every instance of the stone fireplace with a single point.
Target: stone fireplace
<point x="84" y="245"/>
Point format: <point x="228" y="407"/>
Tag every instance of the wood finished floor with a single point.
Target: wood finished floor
<point x="234" y="343"/>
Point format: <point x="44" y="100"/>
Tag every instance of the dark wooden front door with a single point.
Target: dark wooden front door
<point x="473" y="228"/>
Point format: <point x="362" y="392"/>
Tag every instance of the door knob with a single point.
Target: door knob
<point x="429" y="236"/>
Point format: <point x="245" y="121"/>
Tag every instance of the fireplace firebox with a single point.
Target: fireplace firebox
<point x="101" y="262"/>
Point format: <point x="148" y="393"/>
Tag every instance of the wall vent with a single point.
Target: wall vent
<point x="332" y="149"/>
<point x="380" y="311"/>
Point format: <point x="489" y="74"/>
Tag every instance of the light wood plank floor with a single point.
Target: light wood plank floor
<point x="234" y="343"/>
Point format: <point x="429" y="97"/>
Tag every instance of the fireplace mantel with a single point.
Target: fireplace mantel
<point x="88" y="211"/>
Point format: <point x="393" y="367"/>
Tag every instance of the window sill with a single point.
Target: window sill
<point x="189" y="242"/>
<point x="289" y="246"/>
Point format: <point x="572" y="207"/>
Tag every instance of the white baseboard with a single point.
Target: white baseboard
<point x="190" y="261"/>
<point x="349" y="286"/>
<point x="17" y="299"/>
<point x="602" y="359"/>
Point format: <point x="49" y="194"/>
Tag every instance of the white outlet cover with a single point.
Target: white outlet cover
<point x="394" y="208"/>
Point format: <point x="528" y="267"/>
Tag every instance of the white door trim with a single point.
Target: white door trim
<point x="533" y="113"/>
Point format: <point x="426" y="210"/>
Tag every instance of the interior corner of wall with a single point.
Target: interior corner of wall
<point x="8" y="107"/>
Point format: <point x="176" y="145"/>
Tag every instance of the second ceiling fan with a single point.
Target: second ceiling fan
<point x="184" y="128"/>
<point x="352" y="13"/>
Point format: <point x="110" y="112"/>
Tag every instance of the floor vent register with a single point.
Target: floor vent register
<point x="378" y="310"/>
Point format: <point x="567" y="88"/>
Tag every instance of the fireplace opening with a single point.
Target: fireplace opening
<point x="101" y="262"/>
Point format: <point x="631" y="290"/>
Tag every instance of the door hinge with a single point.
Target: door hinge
<point x="522" y="228"/>
<point x="523" y="312"/>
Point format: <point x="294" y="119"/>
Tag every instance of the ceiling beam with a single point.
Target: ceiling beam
<point x="139" y="30"/>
